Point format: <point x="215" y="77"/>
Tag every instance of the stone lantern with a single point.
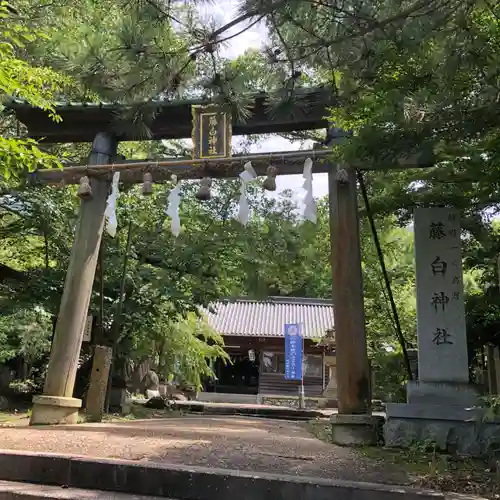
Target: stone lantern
<point x="330" y="391"/>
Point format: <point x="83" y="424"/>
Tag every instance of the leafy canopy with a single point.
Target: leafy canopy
<point x="19" y="79"/>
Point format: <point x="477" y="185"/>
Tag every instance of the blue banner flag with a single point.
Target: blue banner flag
<point x="293" y="352"/>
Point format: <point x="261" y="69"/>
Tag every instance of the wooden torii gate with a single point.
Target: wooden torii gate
<point x="80" y="122"/>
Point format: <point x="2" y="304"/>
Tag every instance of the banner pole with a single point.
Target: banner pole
<point x="302" y="402"/>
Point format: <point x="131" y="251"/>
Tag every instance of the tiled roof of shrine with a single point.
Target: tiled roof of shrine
<point x="267" y="318"/>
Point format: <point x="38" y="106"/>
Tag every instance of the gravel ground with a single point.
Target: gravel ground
<point x="249" y="444"/>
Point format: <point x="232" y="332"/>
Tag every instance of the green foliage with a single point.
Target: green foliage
<point x="409" y="77"/>
<point x="186" y="348"/>
<point x="25" y="333"/>
<point x="491" y="405"/>
<point x="397" y="247"/>
<point x="37" y="85"/>
<point x="26" y="386"/>
<point x="116" y="51"/>
<point x="390" y="376"/>
<point x="17" y="154"/>
<point x="19" y="79"/>
<point x="412" y="77"/>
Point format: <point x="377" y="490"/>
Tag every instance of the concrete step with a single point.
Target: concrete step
<point x="150" y="480"/>
<point x="275" y="412"/>
<point x="25" y="491"/>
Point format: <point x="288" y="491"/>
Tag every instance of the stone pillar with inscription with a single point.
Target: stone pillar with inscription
<point x="440" y="403"/>
<point x="443" y="365"/>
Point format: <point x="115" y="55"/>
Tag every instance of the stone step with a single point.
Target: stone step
<point x="182" y="482"/>
<point x="25" y="491"/>
<point x="275" y="412"/>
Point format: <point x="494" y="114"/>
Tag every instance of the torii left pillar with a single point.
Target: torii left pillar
<point x="57" y="405"/>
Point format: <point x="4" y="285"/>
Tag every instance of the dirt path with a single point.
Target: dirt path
<point x="249" y="444"/>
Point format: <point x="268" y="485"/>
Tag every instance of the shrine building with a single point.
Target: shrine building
<point x="254" y="338"/>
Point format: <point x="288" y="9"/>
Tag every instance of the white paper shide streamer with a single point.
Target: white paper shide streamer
<point x="174" y="201"/>
<point x="110" y="212"/>
<point x="309" y="201"/>
<point x="246" y="176"/>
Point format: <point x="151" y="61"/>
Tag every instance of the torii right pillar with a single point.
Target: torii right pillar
<point x="354" y="424"/>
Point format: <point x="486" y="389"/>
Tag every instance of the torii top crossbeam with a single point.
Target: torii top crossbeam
<point x="265" y="114"/>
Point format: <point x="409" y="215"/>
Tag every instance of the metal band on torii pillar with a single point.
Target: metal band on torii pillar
<point x="56" y="405"/>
